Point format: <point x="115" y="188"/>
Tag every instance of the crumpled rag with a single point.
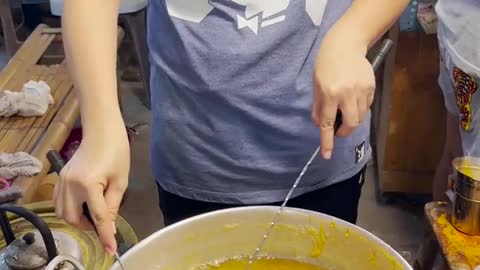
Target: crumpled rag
<point x="18" y="164"/>
<point x="33" y="100"/>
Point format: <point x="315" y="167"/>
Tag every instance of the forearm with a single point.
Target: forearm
<point x="367" y="20"/>
<point x="90" y="40"/>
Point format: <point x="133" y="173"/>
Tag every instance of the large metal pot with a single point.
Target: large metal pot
<point x="236" y="232"/>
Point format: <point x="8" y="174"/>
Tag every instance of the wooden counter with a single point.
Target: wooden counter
<point x="38" y="135"/>
<point x="461" y="251"/>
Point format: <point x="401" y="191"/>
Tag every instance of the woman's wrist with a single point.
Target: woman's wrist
<point x="103" y="121"/>
<point x="341" y="38"/>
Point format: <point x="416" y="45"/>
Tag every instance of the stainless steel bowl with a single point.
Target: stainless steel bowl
<point x="465" y="215"/>
<point x="467" y="185"/>
<point x="299" y="234"/>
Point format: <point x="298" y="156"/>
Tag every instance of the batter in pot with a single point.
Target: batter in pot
<point x="262" y="264"/>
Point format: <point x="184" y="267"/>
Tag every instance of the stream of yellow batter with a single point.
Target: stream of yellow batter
<point x="262" y="264"/>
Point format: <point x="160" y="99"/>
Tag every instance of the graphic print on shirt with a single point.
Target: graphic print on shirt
<point x="189" y="10"/>
<point x="465" y="86"/>
<point x="261" y="13"/>
<point x="359" y="152"/>
<point x="257" y="15"/>
<point x="315" y="10"/>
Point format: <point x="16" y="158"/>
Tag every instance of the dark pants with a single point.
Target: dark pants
<point x="338" y="200"/>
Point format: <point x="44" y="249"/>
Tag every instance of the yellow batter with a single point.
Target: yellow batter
<point x="262" y="264"/>
<point x="473" y="172"/>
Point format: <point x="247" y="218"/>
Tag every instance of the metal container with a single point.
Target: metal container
<point x="467" y="177"/>
<point x="34" y="238"/>
<point x="299" y="234"/>
<point x="465" y="214"/>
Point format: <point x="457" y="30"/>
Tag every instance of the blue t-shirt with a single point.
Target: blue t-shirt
<point x="231" y="84"/>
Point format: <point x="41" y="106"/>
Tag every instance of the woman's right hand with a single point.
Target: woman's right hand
<point x="97" y="175"/>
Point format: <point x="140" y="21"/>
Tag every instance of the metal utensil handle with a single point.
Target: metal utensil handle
<point x="385" y="48"/>
<point x="56" y="161"/>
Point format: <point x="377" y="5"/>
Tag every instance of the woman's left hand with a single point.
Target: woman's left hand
<point x="343" y="80"/>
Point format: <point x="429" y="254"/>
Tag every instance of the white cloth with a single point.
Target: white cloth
<point x="33" y="100"/>
<point x="18" y="164"/>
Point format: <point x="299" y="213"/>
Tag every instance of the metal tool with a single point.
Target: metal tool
<point x="57" y="164"/>
<point x="377" y="61"/>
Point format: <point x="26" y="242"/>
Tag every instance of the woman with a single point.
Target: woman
<point x="231" y="89"/>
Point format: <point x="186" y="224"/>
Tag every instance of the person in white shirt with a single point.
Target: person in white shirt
<point x="459" y="43"/>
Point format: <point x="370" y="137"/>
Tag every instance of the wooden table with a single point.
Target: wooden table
<point x="38" y="135"/>
<point x="461" y="251"/>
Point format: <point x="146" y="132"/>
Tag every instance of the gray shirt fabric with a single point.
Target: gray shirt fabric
<point x="459" y="31"/>
<point x="231" y="84"/>
<point x="459" y="39"/>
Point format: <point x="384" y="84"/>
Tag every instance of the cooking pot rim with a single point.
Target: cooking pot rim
<point x="272" y="209"/>
<point x="466" y="161"/>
